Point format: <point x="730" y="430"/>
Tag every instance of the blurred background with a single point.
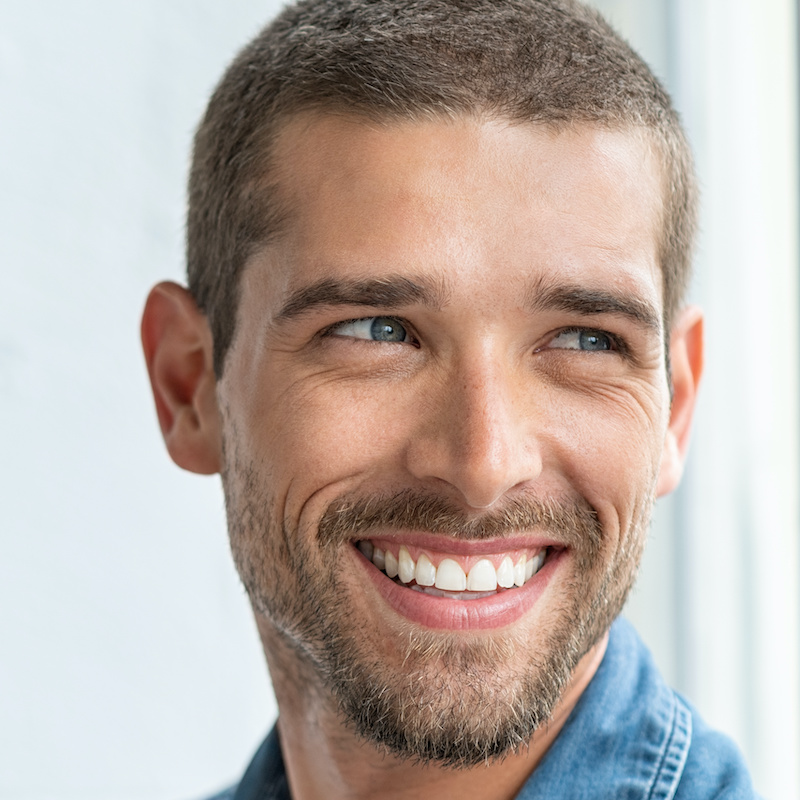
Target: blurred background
<point x="129" y="664"/>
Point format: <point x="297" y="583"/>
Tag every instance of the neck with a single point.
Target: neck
<point x="325" y="758"/>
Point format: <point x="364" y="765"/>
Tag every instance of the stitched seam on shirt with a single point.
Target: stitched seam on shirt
<point x="673" y="757"/>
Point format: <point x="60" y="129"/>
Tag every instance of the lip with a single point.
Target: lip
<point x="440" y="613"/>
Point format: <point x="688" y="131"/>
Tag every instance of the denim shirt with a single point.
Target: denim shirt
<point x="629" y="737"/>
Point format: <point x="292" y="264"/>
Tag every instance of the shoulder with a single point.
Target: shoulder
<point x="264" y="778"/>
<point x="715" y="768"/>
<point x="630" y="735"/>
<point x="695" y="761"/>
<point x="226" y="794"/>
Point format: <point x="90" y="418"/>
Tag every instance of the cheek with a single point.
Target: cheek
<point x="327" y="433"/>
<point x="609" y="450"/>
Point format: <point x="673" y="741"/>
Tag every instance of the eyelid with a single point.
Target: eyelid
<point x="618" y="343"/>
<point x="331" y="330"/>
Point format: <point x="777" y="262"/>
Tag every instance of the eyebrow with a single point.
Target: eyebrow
<point x="590" y="302"/>
<point x="394" y="291"/>
<point x="385" y="292"/>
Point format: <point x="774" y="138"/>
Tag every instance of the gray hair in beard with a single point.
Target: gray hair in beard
<point x="422" y="713"/>
<point x="573" y="525"/>
<point x="452" y="700"/>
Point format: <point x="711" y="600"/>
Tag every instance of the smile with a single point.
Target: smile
<point x="452" y="576"/>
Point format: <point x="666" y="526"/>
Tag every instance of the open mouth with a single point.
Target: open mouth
<point x="452" y="576"/>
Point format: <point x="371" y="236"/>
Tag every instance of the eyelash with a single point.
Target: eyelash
<point x="619" y="345"/>
<point x="330" y="330"/>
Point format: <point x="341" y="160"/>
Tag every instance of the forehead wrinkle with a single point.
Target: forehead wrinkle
<point x="389" y="291"/>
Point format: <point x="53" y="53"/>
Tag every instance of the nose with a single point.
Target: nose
<point x="476" y="433"/>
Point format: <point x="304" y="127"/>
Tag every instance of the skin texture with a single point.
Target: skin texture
<point x="516" y="238"/>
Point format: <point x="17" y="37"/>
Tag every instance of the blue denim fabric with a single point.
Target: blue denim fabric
<point x="630" y="737"/>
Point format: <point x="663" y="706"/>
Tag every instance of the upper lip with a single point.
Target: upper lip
<point x="464" y="547"/>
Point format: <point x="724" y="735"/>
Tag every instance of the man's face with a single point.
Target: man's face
<point x="450" y="365"/>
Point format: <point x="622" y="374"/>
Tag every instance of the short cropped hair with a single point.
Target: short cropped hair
<point x="542" y="61"/>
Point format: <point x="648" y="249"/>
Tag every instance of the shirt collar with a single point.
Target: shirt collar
<point x="627" y="737"/>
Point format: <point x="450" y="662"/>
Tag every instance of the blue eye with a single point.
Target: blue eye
<point x="583" y="339"/>
<point x="594" y="340"/>
<point x="376" y="329"/>
<point x="386" y="329"/>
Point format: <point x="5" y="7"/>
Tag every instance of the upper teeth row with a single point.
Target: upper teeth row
<point x="449" y="575"/>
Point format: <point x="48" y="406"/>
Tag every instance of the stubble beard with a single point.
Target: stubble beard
<point x="457" y="700"/>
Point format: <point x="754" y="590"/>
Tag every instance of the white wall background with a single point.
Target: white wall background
<point x="128" y="663"/>
<point x="129" y="667"/>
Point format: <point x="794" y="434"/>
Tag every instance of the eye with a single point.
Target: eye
<point x="376" y="329"/>
<point x="583" y="339"/>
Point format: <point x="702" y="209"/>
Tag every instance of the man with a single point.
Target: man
<point x="435" y="343"/>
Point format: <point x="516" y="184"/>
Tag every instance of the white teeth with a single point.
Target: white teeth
<point x="450" y="576"/>
<point x="505" y="573"/>
<point x="425" y="573"/>
<point x="482" y="577"/>
<point x="405" y="566"/>
<point x="367" y="549"/>
<point x="519" y="572"/>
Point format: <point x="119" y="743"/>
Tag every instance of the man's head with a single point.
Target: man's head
<point x="447" y="236"/>
<point x="555" y="63"/>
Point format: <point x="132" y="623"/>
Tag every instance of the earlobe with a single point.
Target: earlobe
<point x="178" y="350"/>
<point x="686" y="360"/>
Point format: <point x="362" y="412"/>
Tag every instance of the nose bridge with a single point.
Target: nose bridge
<point x="484" y="402"/>
<point x="476" y="437"/>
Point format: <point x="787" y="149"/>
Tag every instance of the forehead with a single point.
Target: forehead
<point x="466" y="196"/>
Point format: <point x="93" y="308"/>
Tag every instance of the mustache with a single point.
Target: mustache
<point x="571" y="523"/>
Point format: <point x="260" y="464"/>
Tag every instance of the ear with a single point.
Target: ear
<point x="178" y="350"/>
<point x="686" y="360"/>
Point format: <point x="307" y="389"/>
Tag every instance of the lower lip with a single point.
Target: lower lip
<point x="497" y="611"/>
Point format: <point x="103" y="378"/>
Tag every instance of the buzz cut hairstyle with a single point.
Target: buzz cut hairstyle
<point x="554" y="62"/>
